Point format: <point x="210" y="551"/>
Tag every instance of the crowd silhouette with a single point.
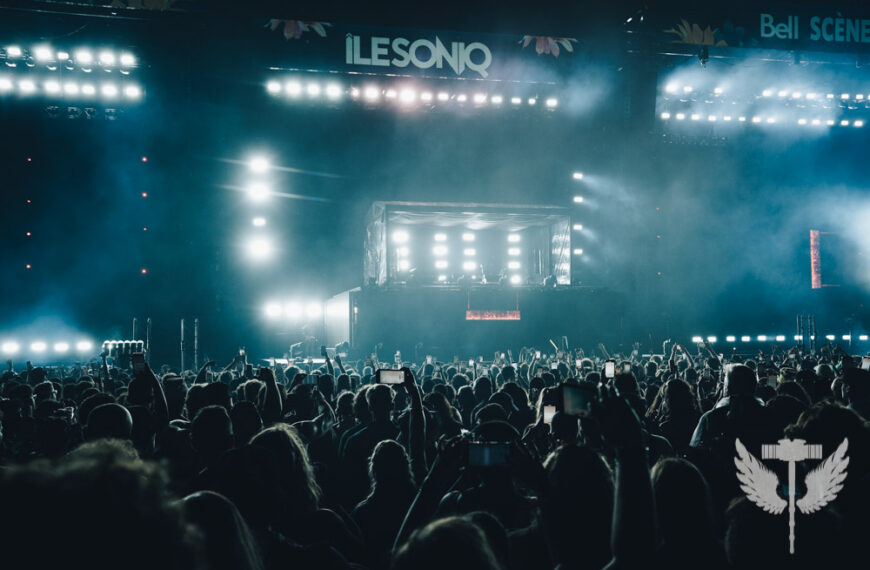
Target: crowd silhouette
<point x="565" y="460"/>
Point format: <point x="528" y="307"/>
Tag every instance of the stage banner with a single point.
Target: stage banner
<point x="342" y="48"/>
<point x="763" y="25"/>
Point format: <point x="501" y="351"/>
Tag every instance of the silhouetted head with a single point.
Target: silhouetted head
<point x="380" y="399"/>
<point x="109" y="421"/>
<point x="453" y="542"/>
<point x="212" y="432"/>
<point x="683" y="503"/>
<point x="228" y="542"/>
<point x="740" y="381"/>
<point x="390" y="468"/>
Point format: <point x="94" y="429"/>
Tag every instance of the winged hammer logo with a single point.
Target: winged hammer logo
<point x="822" y="483"/>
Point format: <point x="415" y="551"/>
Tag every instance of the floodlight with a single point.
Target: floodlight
<point x="426" y="96"/>
<point x="844" y="123"/>
<point x="730" y="338"/>
<point x="333" y="91"/>
<point x="578" y="227"/>
<point x="697" y="339"/>
<point x="532" y="100"/>
<point x="666" y="116"/>
<point x="313" y="310"/>
<point x="42" y="54"/>
<point x="132" y="92"/>
<point x="513" y="251"/>
<point x="718" y="90"/>
<point x="5" y="84"/>
<point x="480" y="98"/>
<point x="400" y="236"/>
<point x="830" y="337"/>
<point x="61" y="347"/>
<point x="404" y="265"/>
<point x="293" y="88"/>
<point x="745" y="338"/>
<point x="802" y="121"/>
<point x="52" y="87"/>
<point x="273" y="87"/>
<point x="38" y="346"/>
<point x="258" y="164"/>
<point x="14" y="51"/>
<point x="577" y="176"/>
<point x="516" y="279"/>
<point x="468" y="236"/>
<point x="767" y="92"/>
<point x="443" y="96"/>
<point x="313" y="89"/>
<point x="402" y="251"/>
<point x="70" y="88"/>
<point x="578" y="251"/>
<point x="109" y="90"/>
<point x="516" y="100"/>
<point x="462" y="97"/>
<point x="292" y="310"/>
<point x="27" y="86"/>
<point x="858" y="123"/>
<point x="88" y="89"/>
<point x="10" y="347"/>
<point x="671" y="87"/>
<point x="407" y="96"/>
<point x="513" y="264"/>
<point x="371" y="93"/>
<point x="711" y="339"/>
<point x="847" y="337"/>
<point x="497" y="99"/>
<point x="798" y="337"/>
<point x="687" y="89"/>
<point x="442" y="278"/>
<point x="513" y="238"/>
<point x="469" y="265"/>
<point x="578" y="199"/>
<point x="762" y="338"/>
<point x="84" y="57"/>
<point x="272" y="310"/>
<point x="258" y="222"/>
<point x="107" y="58"/>
<point x="84" y="345"/>
<point x="440" y="250"/>
<point x="441" y="264"/>
<point x="469" y="252"/>
<point x="391" y="94"/>
<point x="259" y="248"/>
<point x="862" y="337"/>
<point x="780" y="338"/>
<point x="782" y="93"/>
<point x="551" y="102"/>
<point x="696" y="116"/>
<point x="440" y="237"/>
<point x="712" y="118"/>
<point x="681" y="116"/>
<point x="128" y="60"/>
<point x="258" y="191"/>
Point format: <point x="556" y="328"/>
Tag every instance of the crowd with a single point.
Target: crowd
<point x="564" y="460"/>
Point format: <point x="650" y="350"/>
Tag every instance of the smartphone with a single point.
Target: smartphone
<point x="241" y="351"/>
<point x="865" y="363"/>
<point x="626" y="368"/>
<point x="138" y="360"/>
<point x="503" y="356"/>
<point x="309" y="379"/>
<point x="429" y="359"/>
<point x="578" y="400"/>
<point x="609" y="369"/>
<point x="488" y="454"/>
<point x="549" y="412"/>
<point x="387" y="376"/>
<point x="537" y="354"/>
<point x="471" y="363"/>
<point x="578" y="363"/>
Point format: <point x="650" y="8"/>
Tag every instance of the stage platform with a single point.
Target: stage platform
<point x="452" y="320"/>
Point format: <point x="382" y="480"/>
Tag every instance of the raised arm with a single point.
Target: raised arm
<point x="416" y="426"/>
<point x="272" y="406"/>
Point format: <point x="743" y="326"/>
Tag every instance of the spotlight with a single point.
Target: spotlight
<point x="371" y="93"/>
<point x="726" y="118"/>
<point x="84" y="57"/>
<point x="70" y="88"/>
<point x="440" y="237"/>
<point x="830" y="95"/>
<point x="578" y="199"/>
<point x="443" y="96"/>
<point x="532" y="100"/>
<point x="762" y="338"/>
<point x="830" y="337"/>
<point x="712" y="118"/>
<point x="756" y="119"/>
<point x="847" y="337"/>
<point x="844" y="96"/>
<point x="745" y="338"/>
<point x="802" y="121"/>
<point x="109" y="90"/>
<point x="859" y="97"/>
<point x="440" y="250"/>
<point x="272" y="310"/>
<point x="273" y="87"/>
<point x="13" y="51"/>
<point x="697" y="339"/>
<point x="258" y="164"/>
<point x="61" y="347"/>
<point x="441" y="264"/>
<point x="333" y="91"/>
<point x="27" y="86"/>
<point x="38" y="346"/>
<point x="711" y="339"/>
<point x="84" y="346"/>
<point x="313" y="310"/>
<point x="107" y="58"/>
<point x="354" y="92"/>
<point x="798" y="337"/>
<point x="402" y="251"/>
<point x="10" y="347"/>
<point x="578" y="251"/>
<point x="480" y="98"/>
<point x="796" y="95"/>
<point x="780" y="338"/>
<point x="400" y="236"/>
<point x="259" y="222"/>
<point x="132" y="92"/>
<point x="469" y="265"/>
<point x="462" y="97"/>
<point x="513" y="264"/>
<point x="718" y="90"/>
<point x="313" y="89"/>
<point x="88" y="89"/>
<point x="782" y="93"/>
<point x="42" y="54"/>
<point x="407" y="96"/>
<point x="404" y="265"/>
<point x="469" y="252"/>
<point x="767" y="92"/>
<point x="687" y="89"/>
<point x="552" y="102"/>
<point x="730" y="338"/>
<point x="858" y="123"/>
<point x="696" y="116"/>
<point x="442" y="278"/>
<point x="671" y="87"/>
<point x="513" y="238"/>
<point x="128" y="60"/>
<point x="391" y="94"/>
<point x="681" y="116"/>
<point x="578" y="227"/>
<point x="516" y="100"/>
<point x="468" y="236"/>
<point x="293" y="88"/>
<point x="844" y="123"/>
<point x="771" y="120"/>
<point x="516" y="279"/>
<point x="666" y="116"/>
<point x="259" y="248"/>
<point x="5" y="84"/>
<point x="513" y="251"/>
<point x="258" y="191"/>
<point x="811" y="96"/>
<point x="817" y="122"/>
<point x="62" y="56"/>
<point x="497" y="99"/>
<point x="52" y="87"/>
<point x="830" y="122"/>
<point x="862" y="337"/>
<point x="577" y="176"/>
<point x="293" y="310"/>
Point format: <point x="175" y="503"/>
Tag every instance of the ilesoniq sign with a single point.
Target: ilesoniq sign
<point x="421" y="53"/>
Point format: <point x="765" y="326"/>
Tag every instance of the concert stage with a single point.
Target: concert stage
<point x="472" y="320"/>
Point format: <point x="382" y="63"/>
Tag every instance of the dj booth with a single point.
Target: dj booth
<point x="468" y="279"/>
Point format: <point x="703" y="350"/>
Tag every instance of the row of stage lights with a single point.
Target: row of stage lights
<point x="82" y="59"/>
<point x="854" y="99"/>
<point x="774" y="338"/>
<point x="294" y="311"/>
<point x="52" y="87"/>
<point x="298" y="90"/>
<point x="760" y="120"/>
<point x="11" y="347"/>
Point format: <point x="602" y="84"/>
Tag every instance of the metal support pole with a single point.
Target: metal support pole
<point x="182" y="345"/>
<point x="148" y="340"/>
<point x="134" y="329"/>
<point x="196" y="344"/>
